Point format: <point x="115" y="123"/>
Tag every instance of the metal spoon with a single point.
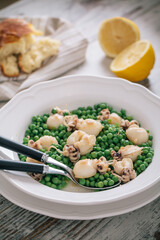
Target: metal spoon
<point x="38" y="168"/>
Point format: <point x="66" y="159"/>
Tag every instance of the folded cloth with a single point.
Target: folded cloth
<point x="71" y="53"/>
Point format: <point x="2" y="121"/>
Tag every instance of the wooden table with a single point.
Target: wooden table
<point x="144" y="223"/>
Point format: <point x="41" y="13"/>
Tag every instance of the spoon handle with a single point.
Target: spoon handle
<point x="21" y="166"/>
<point x="20" y="148"/>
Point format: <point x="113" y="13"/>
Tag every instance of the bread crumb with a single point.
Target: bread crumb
<point x="41" y="50"/>
<point x="9" y="66"/>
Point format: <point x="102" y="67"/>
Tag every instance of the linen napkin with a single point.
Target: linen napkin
<point x="71" y="53"/>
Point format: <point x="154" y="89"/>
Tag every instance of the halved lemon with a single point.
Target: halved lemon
<point x="115" y="34"/>
<point x="134" y="62"/>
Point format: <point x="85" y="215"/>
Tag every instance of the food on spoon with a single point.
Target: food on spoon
<point x="108" y="150"/>
<point x="9" y="66"/>
<point x="88" y="167"/>
<point x="115" y="34"/>
<point x="40" y="51"/>
<point x="135" y="62"/>
<point x="85" y="168"/>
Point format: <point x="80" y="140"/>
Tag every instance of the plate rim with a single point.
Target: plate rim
<point x="59" y="81"/>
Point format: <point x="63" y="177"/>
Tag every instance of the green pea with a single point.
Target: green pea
<point x="139" y="162"/>
<point x="148" y="160"/>
<point x="109" y="121"/>
<point x="139" y="157"/>
<point x="25" y="140"/>
<point x="111" y="129"/>
<point x="116" y="148"/>
<point x="149" y="155"/>
<point x="55" y="180"/>
<point x="47" y="178"/>
<point x="146" y="164"/>
<point x="82" y="181"/>
<point x="53" y="186"/>
<point x="135" y="165"/>
<point x="129" y="118"/>
<point x="120" y="137"/>
<point x="27" y="132"/>
<point x="93" y="154"/>
<point x="53" y="111"/>
<point x="99" y="139"/>
<point x="107" y="152"/>
<point x="46" y="132"/>
<point x="60" y="186"/>
<point x="109" y="135"/>
<point x="105" y="182"/>
<point x="101" y="177"/>
<point x="145" y="152"/>
<point x="108" y="179"/>
<point x="42" y="181"/>
<point x="106" y="175"/>
<point x="34" y="119"/>
<point x="91" y="179"/>
<point x="103" y="105"/>
<point x="96" y="176"/>
<point x="100" y="154"/>
<point x="139" y="170"/>
<point x="45" y="119"/>
<point x="32" y="126"/>
<point x="45" y="126"/>
<point x="123" y="112"/>
<point x="35" y="132"/>
<point x="142" y="167"/>
<point x="111" y="182"/>
<point x="115" y="179"/>
<point x="65" y="160"/>
<point x="87" y="183"/>
<point x="48" y="184"/>
<point x="58" y="158"/>
<point x="150" y="143"/>
<point x="92" y="184"/>
<point x="150" y="137"/>
<point x="112" y="145"/>
<point x="115" y="140"/>
<point x="104" y="138"/>
<point x="23" y="159"/>
<point x="100" y="184"/>
<point x="36" y="138"/>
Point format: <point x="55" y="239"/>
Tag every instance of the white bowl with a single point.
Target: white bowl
<point x="75" y="91"/>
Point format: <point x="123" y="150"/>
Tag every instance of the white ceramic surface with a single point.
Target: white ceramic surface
<point x="75" y="91"/>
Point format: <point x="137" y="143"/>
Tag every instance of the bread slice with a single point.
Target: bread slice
<point x="9" y="66"/>
<point x="16" y="36"/>
<point x="41" y="50"/>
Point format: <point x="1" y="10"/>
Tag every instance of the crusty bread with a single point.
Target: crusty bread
<point x="9" y="66"/>
<point x="16" y="36"/>
<point x="41" y="50"/>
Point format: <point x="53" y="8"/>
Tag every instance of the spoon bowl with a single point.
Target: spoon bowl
<point x="39" y="168"/>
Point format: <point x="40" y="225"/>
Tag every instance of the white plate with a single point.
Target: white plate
<point x="75" y="91"/>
